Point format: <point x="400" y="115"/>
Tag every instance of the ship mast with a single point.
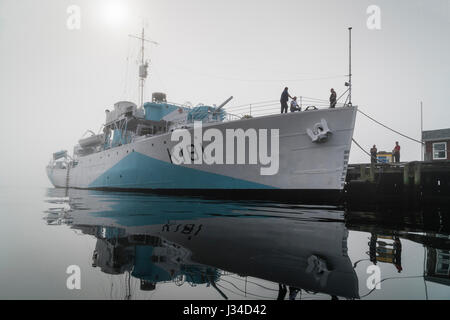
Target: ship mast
<point x="143" y="73"/>
<point x="349" y="82"/>
<point x="350" y="67"/>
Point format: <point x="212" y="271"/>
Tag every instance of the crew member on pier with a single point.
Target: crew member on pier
<point x="396" y="152"/>
<point x="373" y="154"/>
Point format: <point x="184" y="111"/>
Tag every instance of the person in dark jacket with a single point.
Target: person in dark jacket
<point x="284" y="100"/>
<point x="373" y="154"/>
<point x="333" y="98"/>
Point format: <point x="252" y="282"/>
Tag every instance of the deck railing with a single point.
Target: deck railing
<point x="264" y="108"/>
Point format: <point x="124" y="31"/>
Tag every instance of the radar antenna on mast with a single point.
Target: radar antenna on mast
<point x="143" y="66"/>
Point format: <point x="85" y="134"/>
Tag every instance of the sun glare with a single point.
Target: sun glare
<point x="114" y="13"/>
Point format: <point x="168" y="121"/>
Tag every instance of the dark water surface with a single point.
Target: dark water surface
<point x="133" y="246"/>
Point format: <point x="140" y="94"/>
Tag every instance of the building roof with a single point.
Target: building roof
<point x="433" y="135"/>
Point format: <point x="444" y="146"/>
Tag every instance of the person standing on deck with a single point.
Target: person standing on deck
<point x="396" y="152"/>
<point x="373" y="154"/>
<point x="333" y="98"/>
<point x="284" y="100"/>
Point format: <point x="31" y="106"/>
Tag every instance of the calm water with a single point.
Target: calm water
<point x="132" y="246"/>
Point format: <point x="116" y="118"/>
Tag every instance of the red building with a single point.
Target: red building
<point x="437" y="143"/>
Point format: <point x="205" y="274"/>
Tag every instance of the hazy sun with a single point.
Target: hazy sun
<point x="114" y="12"/>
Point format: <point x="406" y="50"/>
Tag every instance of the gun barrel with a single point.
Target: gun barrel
<point x="223" y="104"/>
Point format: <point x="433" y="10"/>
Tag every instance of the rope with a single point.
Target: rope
<point x="231" y="283"/>
<point x="226" y="78"/>
<point x="252" y="282"/>
<point x="126" y="70"/>
<point x="254" y="104"/>
<point x="342" y="95"/>
<point x="363" y="149"/>
<point x="403" y="135"/>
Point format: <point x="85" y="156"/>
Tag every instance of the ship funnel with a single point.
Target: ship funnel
<point x="159" y="97"/>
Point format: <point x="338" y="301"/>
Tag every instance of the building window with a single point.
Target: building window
<point x="440" y="151"/>
<point x="442" y="262"/>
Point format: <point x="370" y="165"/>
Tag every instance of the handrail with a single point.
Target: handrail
<point x="272" y="106"/>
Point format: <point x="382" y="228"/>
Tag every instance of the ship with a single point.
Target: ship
<point x="300" y="156"/>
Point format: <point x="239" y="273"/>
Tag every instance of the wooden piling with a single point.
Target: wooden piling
<point x="406" y="174"/>
<point x="417" y="174"/>
<point x="414" y="182"/>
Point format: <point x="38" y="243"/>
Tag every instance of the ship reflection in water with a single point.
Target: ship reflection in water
<point x="154" y="247"/>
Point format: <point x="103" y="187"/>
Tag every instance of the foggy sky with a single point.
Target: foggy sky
<point x="55" y="83"/>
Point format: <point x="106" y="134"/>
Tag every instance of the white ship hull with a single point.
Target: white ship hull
<point x="145" y="164"/>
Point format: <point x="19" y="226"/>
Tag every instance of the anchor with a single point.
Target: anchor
<point x="320" y="132"/>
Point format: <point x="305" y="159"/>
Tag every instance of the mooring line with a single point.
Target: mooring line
<point x="353" y="139"/>
<point x="376" y="121"/>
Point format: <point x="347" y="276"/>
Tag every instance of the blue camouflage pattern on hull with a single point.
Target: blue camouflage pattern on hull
<point x="138" y="171"/>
